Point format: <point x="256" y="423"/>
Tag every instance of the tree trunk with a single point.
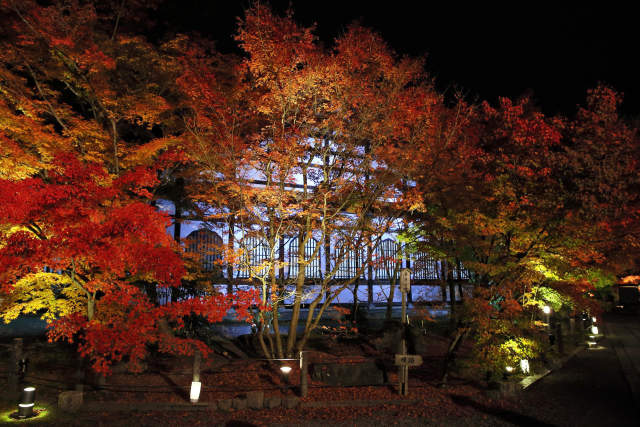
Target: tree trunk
<point x="231" y="237"/>
<point x="392" y="289"/>
<point x="276" y="319"/>
<point x="369" y="273"/>
<point x="295" y="316"/>
<point x="452" y="297"/>
<point x="354" y="307"/>
<point x="177" y="230"/>
<point x="91" y="305"/>
<point x="450" y="357"/>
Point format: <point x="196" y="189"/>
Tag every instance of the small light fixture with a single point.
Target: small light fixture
<point x="594" y="330"/>
<point x="524" y="366"/>
<point x="592" y="337"/>
<point x="593" y="319"/>
<point x="546" y="309"/>
<point x="194" y="394"/>
<point x="509" y="369"/>
<point x="285" y="369"/>
<point x="27" y="402"/>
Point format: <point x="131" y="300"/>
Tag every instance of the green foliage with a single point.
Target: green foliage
<point x="599" y="278"/>
<point x="515" y="349"/>
<point x="539" y="296"/>
<point x="494" y="358"/>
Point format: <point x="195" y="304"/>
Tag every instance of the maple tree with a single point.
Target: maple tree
<point x="296" y="145"/>
<point x="80" y="110"/>
<point x="515" y="218"/>
<point x="601" y="171"/>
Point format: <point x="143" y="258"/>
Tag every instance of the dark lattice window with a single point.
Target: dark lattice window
<point x="351" y="261"/>
<point x="385" y="259"/>
<point x="256" y="252"/>
<point x="312" y="270"/>
<point x="207" y="244"/>
<point x="460" y="273"/>
<point x="425" y="267"/>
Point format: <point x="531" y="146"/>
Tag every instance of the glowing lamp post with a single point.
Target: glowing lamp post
<point x="508" y="371"/>
<point x="547" y="312"/>
<point x="194" y="394"/>
<point x="27" y="402"/>
<point x="286" y="370"/>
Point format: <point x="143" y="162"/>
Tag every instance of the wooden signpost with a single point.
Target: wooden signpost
<point x="408" y="360"/>
<point x="404" y="360"/>
<point x="405" y="284"/>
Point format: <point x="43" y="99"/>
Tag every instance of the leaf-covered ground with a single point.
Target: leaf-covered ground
<point x="583" y="390"/>
<point x="53" y="368"/>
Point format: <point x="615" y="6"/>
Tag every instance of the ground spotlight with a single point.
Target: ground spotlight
<point x="27" y="402"/>
<point x="194" y="394"/>
<point x="286" y="370"/>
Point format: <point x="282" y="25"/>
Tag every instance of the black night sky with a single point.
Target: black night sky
<point x="552" y="53"/>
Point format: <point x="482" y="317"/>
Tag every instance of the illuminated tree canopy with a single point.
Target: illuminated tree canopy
<point x="328" y="146"/>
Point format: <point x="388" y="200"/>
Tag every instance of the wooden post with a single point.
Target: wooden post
<point x="304" y="382"/>
<point x="404" y="307"/>
<point x="559" y="337"/>
<point x="197" y="357"/>
<point x="405" y="284"/>
<point x="409" y="294"/>
<point x="403" y="373"/>
<point x="80" y="375"/>
<point x="14" y="367"/>
<point x="572" y="330"/>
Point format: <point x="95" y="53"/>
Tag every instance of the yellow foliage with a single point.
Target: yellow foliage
<point x="7" y="230"/>
<point x="520" y="348"/>
<point x="49" y="294"/>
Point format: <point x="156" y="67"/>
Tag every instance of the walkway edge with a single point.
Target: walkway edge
<point x="530" y="380"/>
<point x="630" y="374"/>
<point x="205" y="406"/>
